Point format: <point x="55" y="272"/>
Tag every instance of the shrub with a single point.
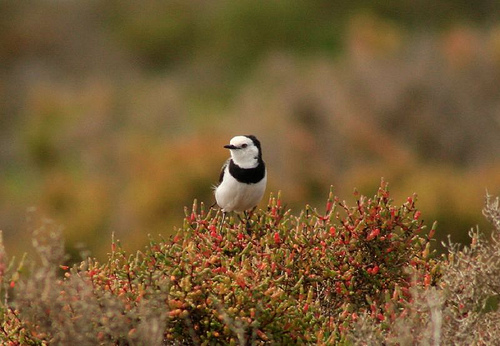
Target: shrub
<point x="462" y="309"/>
<point x="270" y="277"/>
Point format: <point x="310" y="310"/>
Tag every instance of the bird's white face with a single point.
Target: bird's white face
<point x="243" y="152"/>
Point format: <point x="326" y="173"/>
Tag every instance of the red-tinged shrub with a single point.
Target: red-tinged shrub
<point x="461" y="309"/>
<point x="274" y="278"/>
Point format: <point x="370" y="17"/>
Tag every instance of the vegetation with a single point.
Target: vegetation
<point x="360" y="274"/>
<point x="111" y="117"/>
<point x="114" y="113"/>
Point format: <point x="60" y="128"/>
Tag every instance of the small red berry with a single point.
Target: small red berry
<point x="306" y="307"/>
<point x="333" y="231"/>
<point x="277" y="238"/>
<point x="373" y="234"/>
<point x="417" y="215"/>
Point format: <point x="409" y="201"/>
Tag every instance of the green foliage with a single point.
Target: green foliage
<point x="107" y="107"/>
<point x="270" y="278"/>
<point x="462" y="309"/>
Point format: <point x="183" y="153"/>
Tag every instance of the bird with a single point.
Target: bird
<point x="243" y="177"/>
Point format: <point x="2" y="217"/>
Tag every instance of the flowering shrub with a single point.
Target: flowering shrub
<point x="350" y="274"/>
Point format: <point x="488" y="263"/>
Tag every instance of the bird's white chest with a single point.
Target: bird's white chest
<point x="232" y="195"/>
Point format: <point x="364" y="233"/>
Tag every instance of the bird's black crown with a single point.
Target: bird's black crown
<point x="256" y="142"/>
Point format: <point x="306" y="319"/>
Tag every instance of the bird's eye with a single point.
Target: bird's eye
<point x="244" y="145"/>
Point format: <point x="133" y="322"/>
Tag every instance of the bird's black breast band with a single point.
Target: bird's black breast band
<point x="248" y="175"/>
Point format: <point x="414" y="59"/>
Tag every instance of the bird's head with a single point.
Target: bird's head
<point x="245" y="151"/>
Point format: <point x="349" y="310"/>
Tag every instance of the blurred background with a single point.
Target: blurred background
<point x="113" y="113"/>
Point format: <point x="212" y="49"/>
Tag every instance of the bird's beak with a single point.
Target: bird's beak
<point x="230" y="146"/>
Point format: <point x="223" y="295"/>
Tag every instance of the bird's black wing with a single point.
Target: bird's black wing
<point x="221" y="176"/>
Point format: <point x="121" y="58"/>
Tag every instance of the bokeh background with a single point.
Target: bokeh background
<point x="113" y="113"/>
